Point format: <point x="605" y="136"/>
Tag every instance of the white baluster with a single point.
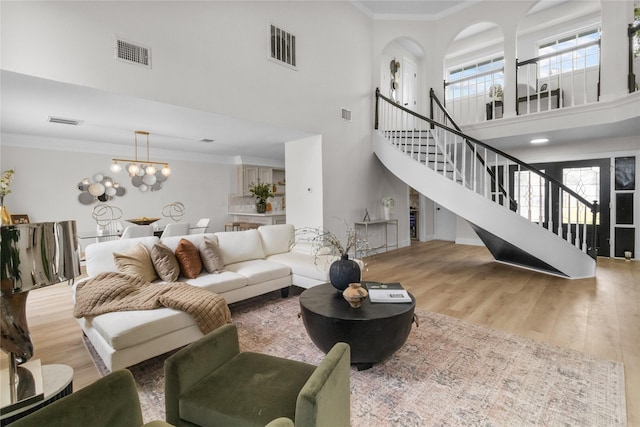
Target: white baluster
<point x="560" y="201"/>
<point x="569" y="218"/>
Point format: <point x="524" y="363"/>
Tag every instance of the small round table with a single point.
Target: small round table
<point x="58" y="382"/>
<point x="374" y="331"/>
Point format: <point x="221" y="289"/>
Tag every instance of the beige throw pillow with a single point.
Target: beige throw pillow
<point x="211" y="256"/>
<point x="165" y="262"/>
<point x="189" y="259"/>
<point x="136" y="262"/>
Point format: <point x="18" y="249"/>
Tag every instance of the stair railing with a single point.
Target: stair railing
<point x="488" y="171"/>
<point x="437" y="109"/>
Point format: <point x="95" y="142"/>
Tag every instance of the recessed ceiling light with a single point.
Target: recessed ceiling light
<point x="539" y="140"/>
<point x="206" y="140"/>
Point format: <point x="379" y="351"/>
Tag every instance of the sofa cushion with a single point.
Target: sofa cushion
<point x="196" y="239"/>
<point x="211" y="256"/>
<point x="302" y="264"/>
<point x="124" y="329"/>
<point x="189" y="259"/>
<point x="238" y="246"/>
<point x="165" y="262"/>
<point x="265" y="387"/>
<point x="277" y="239"/>
<point x="219" y="283"/>
<point x="259" y="270"/>
<point x="136" y="262"/>
<point x="99" y="256"/>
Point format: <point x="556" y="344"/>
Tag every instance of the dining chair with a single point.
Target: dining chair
<point x="176" y="229"/>
<point x="201" y="226"/>
<point x="137" y="231"/>
<point x="109" y="231"/>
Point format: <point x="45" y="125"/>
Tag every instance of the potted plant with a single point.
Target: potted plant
<point x="495" y="92"/>
<point x="5" y="189"/>
<point x="388" y="204"/>
<point x="261" y="191"/>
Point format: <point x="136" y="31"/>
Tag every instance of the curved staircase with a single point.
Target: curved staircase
<point x="478" y="183"/>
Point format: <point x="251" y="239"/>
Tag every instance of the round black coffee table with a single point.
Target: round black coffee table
<point x="374" y="331"/>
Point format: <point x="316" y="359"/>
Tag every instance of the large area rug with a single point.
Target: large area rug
<point x="449" y="373"/>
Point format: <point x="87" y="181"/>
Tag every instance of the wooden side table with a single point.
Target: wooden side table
<point x="58" y="382"/>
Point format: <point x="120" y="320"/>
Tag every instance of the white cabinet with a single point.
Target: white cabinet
<point x="265" y="175"/>
<point x="248" y="174"/>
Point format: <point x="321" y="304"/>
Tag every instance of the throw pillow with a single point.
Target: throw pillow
<point x="136" y="262"/>
<point x="211" y="256"/>
<point x="189" y="259"/>
<point x="165" y="262"/>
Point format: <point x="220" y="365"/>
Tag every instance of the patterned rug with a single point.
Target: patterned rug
<point x="448" y="373"/>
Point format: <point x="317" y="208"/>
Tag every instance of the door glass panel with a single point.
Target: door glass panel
<point x="625" y="173"/>
<point x="530" y="192"/>
<point x="624" y="208"/>
<point x="586" y="183"/>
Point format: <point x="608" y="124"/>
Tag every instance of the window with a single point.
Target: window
<point x="475" y="79"/>
<point x="572" y="53"/>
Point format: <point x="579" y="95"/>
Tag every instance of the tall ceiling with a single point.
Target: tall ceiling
<point x="427" y="9"/>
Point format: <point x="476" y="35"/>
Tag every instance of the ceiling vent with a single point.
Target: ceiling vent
<point x="346" y="114"/>
<point x="63" y="121"/>
<point x="282" y="47"/>
<point x="132" y="53"/>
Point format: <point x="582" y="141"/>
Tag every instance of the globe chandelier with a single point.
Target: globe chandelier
<point x="143" y="173"/>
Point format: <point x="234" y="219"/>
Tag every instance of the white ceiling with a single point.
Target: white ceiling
<point x="425" y="9"/>
<point x="110" y="119"/>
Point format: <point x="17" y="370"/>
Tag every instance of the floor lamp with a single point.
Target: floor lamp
<point x="32" y="256"/>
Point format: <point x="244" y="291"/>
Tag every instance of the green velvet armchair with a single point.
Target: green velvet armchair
<point x="111" y="401"/>
<point x="211" y="383"/>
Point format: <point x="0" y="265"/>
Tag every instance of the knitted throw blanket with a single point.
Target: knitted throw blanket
<point x="111" y="291"/>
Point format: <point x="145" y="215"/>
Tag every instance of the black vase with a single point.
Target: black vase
<point x="344" y="271"/>
<point x="261" y="207"/>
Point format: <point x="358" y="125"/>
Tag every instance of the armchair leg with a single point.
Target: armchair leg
<point x="284" y="292"/>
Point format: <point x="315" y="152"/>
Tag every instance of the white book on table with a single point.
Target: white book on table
<point x="387" y="293"/>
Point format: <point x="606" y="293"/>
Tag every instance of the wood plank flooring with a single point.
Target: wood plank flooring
<point x="598" y="316"/>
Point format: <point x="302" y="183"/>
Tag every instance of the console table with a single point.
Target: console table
<point x="384" y="223"/>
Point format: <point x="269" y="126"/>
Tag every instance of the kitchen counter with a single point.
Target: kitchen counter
<point x="255" y="214"/>
<point x="268" y="218"/>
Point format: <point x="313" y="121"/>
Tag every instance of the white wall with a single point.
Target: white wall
<point x="212" y="56"/>
<point x="304" y="196"/>
<point x="45" y="188"/>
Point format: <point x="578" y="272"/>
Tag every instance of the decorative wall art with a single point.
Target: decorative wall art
<point x="104" y="214"/>
<point x="174" y="210"/>
<point x="394" y="66"/>
<point x="98" y="189"/>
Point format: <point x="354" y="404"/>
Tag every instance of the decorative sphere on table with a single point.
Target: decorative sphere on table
<point x="344" y="271"/>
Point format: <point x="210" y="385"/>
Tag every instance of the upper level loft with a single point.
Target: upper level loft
<point x="568" y="70"/>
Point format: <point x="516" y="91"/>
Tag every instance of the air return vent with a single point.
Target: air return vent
<point x="132" y="53"/>
<point x="282" y="47"/>
<point x="63" y="121"/>
<point x="346" y="114"/>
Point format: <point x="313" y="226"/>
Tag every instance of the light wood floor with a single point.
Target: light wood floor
<point x="599" y="316"/>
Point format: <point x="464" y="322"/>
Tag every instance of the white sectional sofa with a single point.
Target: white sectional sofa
<point x="255" y="262"/>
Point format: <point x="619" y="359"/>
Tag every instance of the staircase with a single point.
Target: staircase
<point x="542" y="225"/>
